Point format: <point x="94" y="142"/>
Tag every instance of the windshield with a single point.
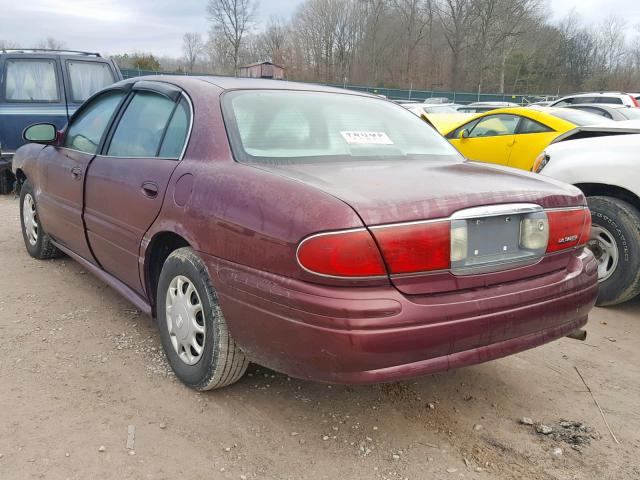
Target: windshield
<point x="276" y="126"/>
<point x="439" y="109"/>
<point x="580" y="118"/>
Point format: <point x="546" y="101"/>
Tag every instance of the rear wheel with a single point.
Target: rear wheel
<point x="615" y="242"/>
<point x="194" y="334"/>
<point x="36" y="240"/>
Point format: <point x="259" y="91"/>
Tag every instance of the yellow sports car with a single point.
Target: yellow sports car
<point x="515" y="136"/>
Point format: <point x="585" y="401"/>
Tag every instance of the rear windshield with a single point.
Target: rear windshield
<point x="630" y="113"/>
<point x="579" y="118"/>
<point x="279" y="126"/>
<point x="439" y="109"/>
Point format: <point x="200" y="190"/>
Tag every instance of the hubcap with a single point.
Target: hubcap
<point x="185" y="320"/>
<point x="30" y="219"/>
<point x="605" y="249"/>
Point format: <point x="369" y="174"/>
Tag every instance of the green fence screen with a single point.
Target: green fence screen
<point x="395" y="93"/>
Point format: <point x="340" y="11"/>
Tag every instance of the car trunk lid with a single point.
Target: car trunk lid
<point x="384" y="193"/>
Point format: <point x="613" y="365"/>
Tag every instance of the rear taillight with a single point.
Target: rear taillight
<point x="351" y="253"/>
<point x="441" y="245"/>
<point x="568" y="228"/>
<point x="417" y="247"/>
<point x="634" y="100"/>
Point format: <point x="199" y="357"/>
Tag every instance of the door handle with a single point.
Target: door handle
<point x="76" y="172"/>
<point x="150" y="189"/>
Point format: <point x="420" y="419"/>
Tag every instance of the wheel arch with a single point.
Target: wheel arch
<point x="605" y="190"/>
<point x="161" y="245"/>
<point x="21" y="177"/>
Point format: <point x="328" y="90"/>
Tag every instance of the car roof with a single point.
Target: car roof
<point x="241" y="83"/>
<point x="615" y="106"/>
<point x="591" y="94"/>
<point x="46" y="52"/>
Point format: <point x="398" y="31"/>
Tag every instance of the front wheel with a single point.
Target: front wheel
<point x="194" y="334"/>
<point x="36" y="240"/>
<point x="615" y="242"/>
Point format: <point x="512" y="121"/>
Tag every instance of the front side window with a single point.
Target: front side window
<point x="275" y="126"/>
<point x="87" y="78"/>
<point x="31" y="81"/>
<point x="88" y="127"/>
<point x="495" y="125"/>
<point x="141" y="129"/>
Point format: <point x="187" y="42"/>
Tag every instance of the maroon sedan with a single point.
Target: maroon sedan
<point x="326" y="234"/>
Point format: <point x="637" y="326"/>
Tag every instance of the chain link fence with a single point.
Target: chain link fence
<point x="394" y="93"/>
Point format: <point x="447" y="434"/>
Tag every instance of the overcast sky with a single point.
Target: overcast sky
<point x="157" y="26"/>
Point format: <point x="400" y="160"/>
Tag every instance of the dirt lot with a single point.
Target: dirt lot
<point x="78" y="366"/>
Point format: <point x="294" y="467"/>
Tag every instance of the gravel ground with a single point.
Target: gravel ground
<point x="83" y="377"/>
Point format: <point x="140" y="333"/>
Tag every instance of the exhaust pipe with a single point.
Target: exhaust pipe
<point x="579" y="334"/>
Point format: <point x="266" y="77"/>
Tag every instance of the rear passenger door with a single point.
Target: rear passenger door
<point x="125" y="186"/>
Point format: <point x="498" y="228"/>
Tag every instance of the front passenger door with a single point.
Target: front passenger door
<point x="64" y="168"/>
<point x="489" y="139"/>
<point x="126" y="185"/>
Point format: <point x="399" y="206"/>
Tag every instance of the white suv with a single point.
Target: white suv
<point x="612" y="98"/>
<point x="606" y="169"/>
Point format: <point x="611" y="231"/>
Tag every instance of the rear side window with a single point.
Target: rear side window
<point x="531" y="126"/>
<point x="176" y="133"/>
<point x="577" y="100"/>
<point x="142" y="127"/>
<point x="610" y="100"/>
<point x="87" y="129"/>
<point x="31" y="81"/>
<point x="87" y="78"/>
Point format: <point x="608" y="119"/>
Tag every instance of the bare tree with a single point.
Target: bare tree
<point x="417" y="16"/>
<point x="611" y="42"/>
<point x="457" y="17"/>
<point x="274" y="39"/>
<point x="51" y="43"/>
<point x="192" y="46"/>
<point x="232" y="18"/>
<point x="7" y="44"/>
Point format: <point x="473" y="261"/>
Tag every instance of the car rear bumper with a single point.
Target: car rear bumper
<point x="376" y="334"/>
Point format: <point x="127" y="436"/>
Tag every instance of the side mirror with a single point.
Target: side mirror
<point x="45" y="133"/>
<point x="464" y="134"/>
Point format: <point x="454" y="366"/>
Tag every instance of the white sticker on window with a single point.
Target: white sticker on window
<point x="366" y="138"/>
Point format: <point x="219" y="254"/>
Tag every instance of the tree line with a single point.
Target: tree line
<point x="472" y="45"/>
<point x="490" y="46"/>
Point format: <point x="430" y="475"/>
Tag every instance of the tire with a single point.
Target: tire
<point x="6" y="182"/>
<point x="196" y="321"/>
<point x="38" y="243"/>
<point x="615" y="242"/>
